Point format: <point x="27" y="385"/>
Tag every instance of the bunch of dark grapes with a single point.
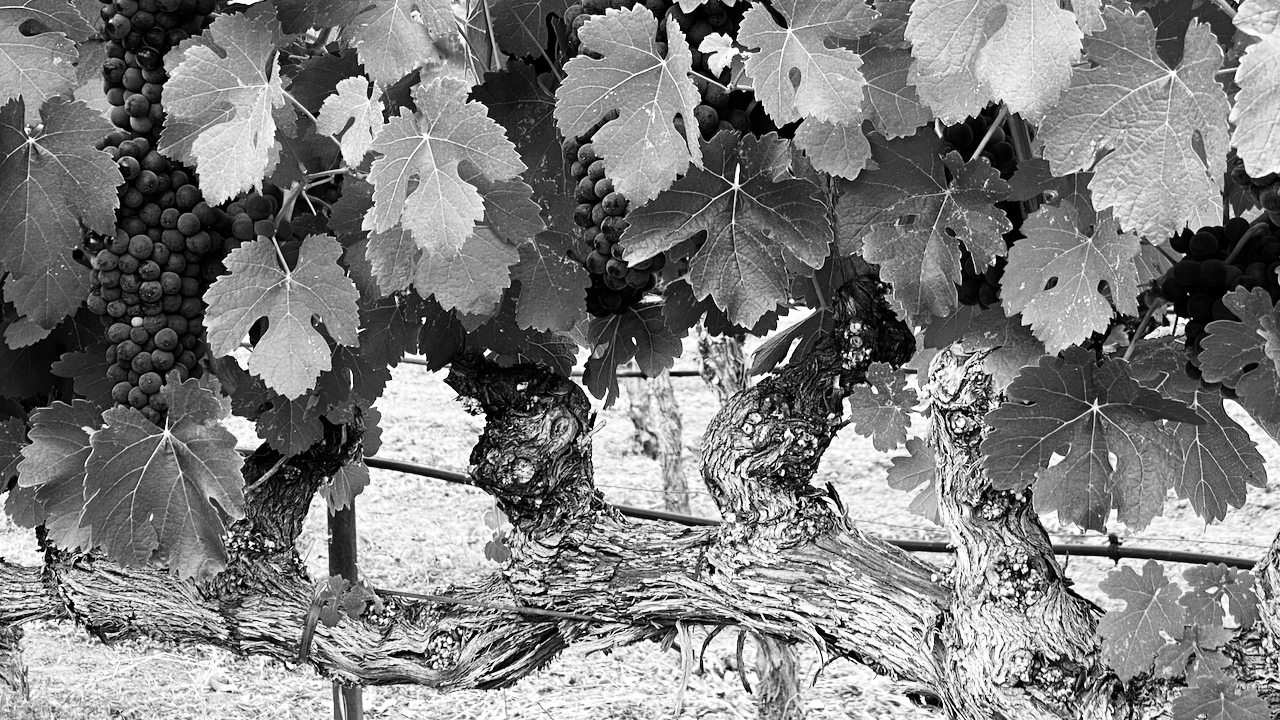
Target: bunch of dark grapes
<point x="147" y="280"/>
<point x="981" y="287"/>
<point x="1216" y="261"/>
<point x="252" y="216"/>
<point x="1264" y="191"/>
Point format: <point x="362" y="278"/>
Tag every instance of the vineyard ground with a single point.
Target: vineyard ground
<point x="416" y="533"/>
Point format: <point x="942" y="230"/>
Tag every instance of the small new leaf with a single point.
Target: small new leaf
<point x="881" y="409"/>
<point x="1132" y="636"/>
<point x="642" y="150"/>
<point x="1244" y="355"/>
<point x="351" y="113"/>
<point x="1211" y="585"/>
<point x="166" y="494"/>
<point x="292" y="353"/>
<point x="1054" y="274"/>
<point x="759" y="230"/>
<point x="1157" y="122"/>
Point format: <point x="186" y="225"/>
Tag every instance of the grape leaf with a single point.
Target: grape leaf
<point x="394" y="36"/>
<point x="88" y="371"/>
<point x="642" y="150"/>
<point x="1258" y="102"/>
<point x="53" y="467"/>
<point x="1183" y="121"/>
<point x="352" y="106"/>
<point x="1198" y="643"/>
<point x="289" y="426"/>
<point x="520" y="104"/>
<point x="225" y="99"/>
<point x="918" y="467"/>
<point x="1219" y="459"/>
<point x="1133" y="635"/>
<point x="13" y="438"/>
<point x="292" y="353"/>
<point x="552" y="286"/>
<point x="35" y="68"/>
<point x="881" y="409"/>
<point x="520" y="26"/>
<point x="162" y="494"/>
<point x="50" y="183"/>
<point x="1009" y="343"/>
<point x="345" y="485"/>
<point x="798" y="71"/>
<point x="893" y="104"/>
<point x="56" y="16"/>
<point x="970" y="52"/>
<point x="425" y="150"/>
<point x="1243" y="355"/>
<point x="760" y="231"/>
<point x="1086" y="414"/>
<point x="511" y="343"/>
<point x="638" y="334"/>
<point x="777" y="347"/>
<point x="315" y="78"/>
<point x="837" y="149"/>
<point x="1054" y="273"/>
<point x="469" y="279"/>
<point x="1214" y="697"/>
<point x="1210" y="585"/>
<point x="721" y="52"/>
<point x="909" y="219"/>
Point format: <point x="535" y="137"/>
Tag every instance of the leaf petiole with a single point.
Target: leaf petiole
<point x="1142" y="326"/>
<point x="1004" y="113"/>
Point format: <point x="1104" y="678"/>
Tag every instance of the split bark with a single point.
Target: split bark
<point x="785" y="563"/>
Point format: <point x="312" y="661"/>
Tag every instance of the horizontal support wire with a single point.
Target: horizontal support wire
<point x="1113" y="549"/>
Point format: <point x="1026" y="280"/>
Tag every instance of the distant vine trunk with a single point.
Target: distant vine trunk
<point x="13" y="671"/>
<point x="723" y="366"/>
<point x="999" y="636"/>
<point x="659" y="433"/>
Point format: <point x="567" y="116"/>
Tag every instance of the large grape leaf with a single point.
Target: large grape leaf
<point x="1258" y="103"/>
<point x="1219" y="459"/>
<point x="53" y="466"/>
<point x="642" y="150"/>
<point x="520" y="104"/>
<point x="918" y="467"/>
<point x="760" y="232"/>
<point x="881" y="409"/>
<point x="351" y="113"/>
<point x="1086" y="414"/>
<point x="800" y="71"/>
<point x="1216" y="697"/>
<point x="470" y="279"/>
<point x="893" y="104"/>
<point x="164" y="494"/>
<point x="225" y="99"/>
<point x="1244" y="355"/>
<point x="35" y="68"/>
<point x="50" y="183"/>
<point x="1132" y="636"/>
<point x="292" y="353"/>
<point x="552" y="286"/>
<point x="520" y="26"/>
<point x="392" y="36"/>
<point x="908" y="218"/>
<point x="638" y="334"/>
<point x="1054" y="274"/>
<point x="1212" y="585"/>
<point x="970" y="52"/>
<point x="1157" y="123"/>
<point x="418" y="182"/>
<point x="1009" y="345"/>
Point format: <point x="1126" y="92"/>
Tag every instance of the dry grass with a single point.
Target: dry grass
<point x="417" y="533"/>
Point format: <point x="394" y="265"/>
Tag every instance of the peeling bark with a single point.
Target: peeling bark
<point x="786" y="564"/>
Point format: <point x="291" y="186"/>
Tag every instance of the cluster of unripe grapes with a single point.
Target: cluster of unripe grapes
<point x="981" y="287"/>
<point x="146" y="281"/>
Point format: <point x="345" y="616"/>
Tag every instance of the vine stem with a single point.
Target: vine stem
<point x="1142" y="325"/>
<point x="1004" y="113"/>
<point x="296" y="103"/>
<point x="1253" y="232"/>
<point x="1162" y="251"/>
<point x="727" y="88"/>
<point x="1225" y="7"/>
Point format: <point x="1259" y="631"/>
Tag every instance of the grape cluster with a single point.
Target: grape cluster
<point x="982" y="287"/>
<point x="253" y="216"/>
<point x="147" y="281"/>
<point x="1216" y="261"/>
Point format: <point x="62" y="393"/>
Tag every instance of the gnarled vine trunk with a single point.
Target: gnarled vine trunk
<point x="1000" y="636"/>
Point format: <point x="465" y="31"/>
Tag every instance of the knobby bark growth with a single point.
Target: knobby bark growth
<point x="1001" y="635"/>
